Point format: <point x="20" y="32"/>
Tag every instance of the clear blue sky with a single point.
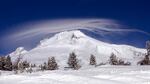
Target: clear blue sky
<point x="134" y="13"/>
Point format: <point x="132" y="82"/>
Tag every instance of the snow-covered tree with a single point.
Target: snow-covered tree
<point x="113" y="59"/>
<point x="2" y="63"/>
<point x="52" y="65"/>
<point x="121" y="62"/>
<point x="29" y="70"/>
<point x="33" y="65"/>
<point x="92" y="60"/>
<point x="22" y="65"/>
<point x="25" y="64"/>
<point x="16" y="63"/>
<point x="73" y="61"/>
<point x="146" y="60"/>
<point x="44" y="66"/>
<point x="8" y="63"/>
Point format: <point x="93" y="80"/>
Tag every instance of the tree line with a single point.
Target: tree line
<point x="73" y="62"/>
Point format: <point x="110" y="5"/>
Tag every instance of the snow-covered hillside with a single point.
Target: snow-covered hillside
<point x="61" y="44"/>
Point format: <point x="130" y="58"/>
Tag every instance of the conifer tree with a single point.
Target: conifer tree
<point x="92" y="60"/>
<point x="148" y="47"/>
<point x="8" y="63"/>
<point x="2" y="63"/>
<point x="73" y="61"/>
<point x="25" y="64"/>
<point x="52" y="65"/>
<point x="113" y="59"/>
<point x="146" y="60"/>
<point x="44" y="66"/>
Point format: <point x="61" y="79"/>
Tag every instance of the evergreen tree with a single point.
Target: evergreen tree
<point x="121" y="62"/>
<point x="43" y="67"/>
<point x="113" y="59"/>
<point x="52" y="65"/>
<point x="148" y="47"/>
<point x="8" y="63"/>
<point x="92" y="60"/>
<point x="2" y="63"/>
<point x="25" y="64"/>
<point x="33" y="65"/>
<point x="73" y="61"/>
<point x="146" y="60"/>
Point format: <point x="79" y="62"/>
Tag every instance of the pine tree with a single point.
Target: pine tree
<point x="52" y="65"/>
<point x="25" y="64"/>
<point x="2" y="63"/>
<point x="92" y="60"/>
<point x="8" y="63"/>
<point x="43" y="67"/>
<point x="113" y="59"/>
<point x="73" y="61"/>
<point x="33" y="65"/>
<point x="146" y="60"/>
<point x="121" y="62"/>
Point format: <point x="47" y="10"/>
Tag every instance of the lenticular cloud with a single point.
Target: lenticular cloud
<point x="39" y="28"/>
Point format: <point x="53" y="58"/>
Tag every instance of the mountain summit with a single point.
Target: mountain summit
<point x="63" y="43"/>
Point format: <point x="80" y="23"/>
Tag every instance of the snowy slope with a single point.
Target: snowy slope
<point x="99" y="75"/>
<point x="61" y="44"/>
<point x="18" y="52"/>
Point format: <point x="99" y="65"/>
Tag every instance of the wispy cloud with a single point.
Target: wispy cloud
<point x="29" y="34"/>
<point x="34" y="29"/>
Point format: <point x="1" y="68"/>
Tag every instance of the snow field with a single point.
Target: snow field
<point x="99" y="75"/>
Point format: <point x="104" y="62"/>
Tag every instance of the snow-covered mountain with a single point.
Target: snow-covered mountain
<point x="18" y="52"/>
<point x="63" y="43"/>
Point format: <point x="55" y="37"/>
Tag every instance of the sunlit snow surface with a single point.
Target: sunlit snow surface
<point x="98" y="75"/>
<point x="61" y="44"/>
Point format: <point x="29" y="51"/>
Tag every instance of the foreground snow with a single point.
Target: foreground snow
<point x="99" y="75"/>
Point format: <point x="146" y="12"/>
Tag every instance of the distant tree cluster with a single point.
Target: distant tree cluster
<point x="50" y="65"/>
<point x="116" y="61"/>
<point x="5" y="63"/>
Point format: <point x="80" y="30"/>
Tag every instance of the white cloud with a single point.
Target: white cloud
<point x="34" y="29"/>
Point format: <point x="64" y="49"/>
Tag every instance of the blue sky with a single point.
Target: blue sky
<point x="134" y="13"/>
